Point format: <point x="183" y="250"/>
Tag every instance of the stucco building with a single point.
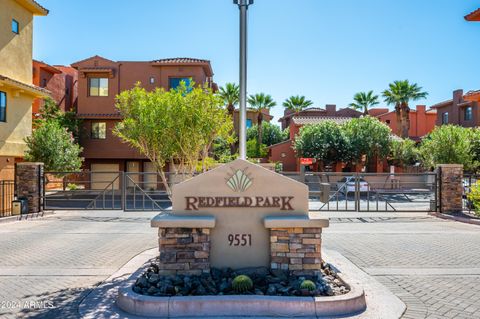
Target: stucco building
<point x="283" y="152"/>
<point x="422" y="121"/>
<point x="17" y="91"/>
<point x="100" y="80"/>
<point x="60" y="81"/>
<point x="461" y="110"/>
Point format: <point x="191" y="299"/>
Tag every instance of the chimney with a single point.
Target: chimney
<point x="421" y="109"/>
<point x="331" y="109"/>
<point x="457" y="96"/>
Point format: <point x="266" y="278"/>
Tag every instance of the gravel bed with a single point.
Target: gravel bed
<point x="219" y="282"/>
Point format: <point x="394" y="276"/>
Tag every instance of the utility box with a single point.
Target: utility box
<point x="20" y="206"/>
<point x="325" y="192"/>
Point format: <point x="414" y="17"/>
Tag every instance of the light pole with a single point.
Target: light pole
<point x="243" y="6"/>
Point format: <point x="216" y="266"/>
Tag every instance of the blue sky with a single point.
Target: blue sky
<point x="324" y="49"/>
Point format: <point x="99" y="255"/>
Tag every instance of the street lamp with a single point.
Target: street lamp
<point x="243" y="7"/>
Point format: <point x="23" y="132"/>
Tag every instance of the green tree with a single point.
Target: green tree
<point x="256" y="151"/>
<point x="272" y="134"/>
<point x="260" y="102"/>
<point x="449" y="144"/>
<point x="230" y="95"/>
<point x="55" y="146"/>
<point x="364" y="101"/>
<point x="325" y="141"/>
<point x="51" y="112"/>
<point x="297" y="103"/>
<point x="368" y="138"/>
<point x="399" y="94"/>
<point x="403" y="153"/>
<point x="177" y="126"/>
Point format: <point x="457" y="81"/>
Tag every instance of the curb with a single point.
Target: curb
<point x="456" y="218"/>
<point x="100" y="303"/>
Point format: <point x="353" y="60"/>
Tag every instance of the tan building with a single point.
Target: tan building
<point x="100" y="80"/>
<point x="16" y="89"/>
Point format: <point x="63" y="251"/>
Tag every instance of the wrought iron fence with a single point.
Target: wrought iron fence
<point x="469" y="181"/>
<point x="406" y="192"/>
<point x="7" y="193"/>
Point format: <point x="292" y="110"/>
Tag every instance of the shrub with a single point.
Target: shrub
<point x="242" y="284"/>
<point x="474" y="197"/>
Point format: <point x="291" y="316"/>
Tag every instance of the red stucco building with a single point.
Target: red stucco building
<point x="422" y="121"/>
<point x="60" y="80"/>
<point x="100" y="80"/>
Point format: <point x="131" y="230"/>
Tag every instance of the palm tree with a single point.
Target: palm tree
<point x="400" y="93"/>
<point x="297" y="103"/>
<point x="260" y="102"/>
<point x="230" y="95"/>
<point x="364" y="101"/>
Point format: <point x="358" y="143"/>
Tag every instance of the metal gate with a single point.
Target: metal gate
<point x="401" y="192"/>
<point x="106" y="191"/>
<point x="82" y="190"/>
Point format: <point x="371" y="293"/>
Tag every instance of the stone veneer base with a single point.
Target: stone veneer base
<point x="243" y="305"/>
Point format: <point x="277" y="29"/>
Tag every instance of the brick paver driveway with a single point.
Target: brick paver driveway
<point x="48" y="265"/>
<point x="433" y="265"/>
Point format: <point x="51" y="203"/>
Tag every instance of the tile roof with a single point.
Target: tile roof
<point x="305" y="120"/>
<point x="29" y="87"/>
<point x="180" y="60"/>
<point x="473" y="16"/>
<point x="472" y="92"/>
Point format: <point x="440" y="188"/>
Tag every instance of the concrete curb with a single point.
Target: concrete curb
<point x="456" y="218"/>
<point x="240" y="305"/>
<point x="15" y="218"/>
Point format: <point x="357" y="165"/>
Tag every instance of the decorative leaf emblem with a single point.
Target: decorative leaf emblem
<point x="239" y="181"/>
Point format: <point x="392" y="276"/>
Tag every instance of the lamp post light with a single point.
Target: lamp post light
<point x="243" y="7"/>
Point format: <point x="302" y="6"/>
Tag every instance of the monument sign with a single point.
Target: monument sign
<point x="231" y="211"/>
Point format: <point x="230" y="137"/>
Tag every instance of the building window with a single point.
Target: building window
<point x="3" y="106"/>
<point x="468" y="113"/>
<point x="98" y="86"/>
<point x="249" y="123"/>
<point x="387" y="121"/>
<point x="44" y="83"/>
<point x="152" y="80"/>
<point x="173" y="83"/>
<point x="15" y="26"/>
<point x="445" y="118"/>
<point x="99" y="130"/>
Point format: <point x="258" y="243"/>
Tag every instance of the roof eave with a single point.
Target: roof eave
<point x="24" y="88"/>
<point x="34" y="7"/>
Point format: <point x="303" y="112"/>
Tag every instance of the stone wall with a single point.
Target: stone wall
<point x="451" y="187"/>
<point x="296" y="249"/>
<point x="184" y="250"/>
<point x="29" y="184"/>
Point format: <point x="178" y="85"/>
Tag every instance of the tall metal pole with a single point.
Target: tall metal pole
<point x="243" y="6"/>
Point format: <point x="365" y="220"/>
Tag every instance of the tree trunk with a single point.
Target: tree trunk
<point x="405" y="120"/>
<point x="398" y="119"/>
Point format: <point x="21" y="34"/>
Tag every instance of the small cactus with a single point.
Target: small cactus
<point x="242" y="284"/>
<point x="308" y="285"/>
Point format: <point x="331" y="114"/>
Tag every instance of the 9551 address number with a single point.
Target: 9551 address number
<point x="240" y="239"/>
